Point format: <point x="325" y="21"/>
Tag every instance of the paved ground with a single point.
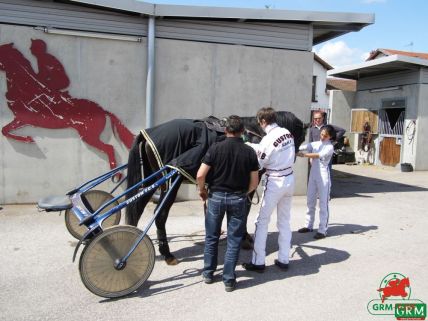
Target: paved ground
<point x="378" y="226"/>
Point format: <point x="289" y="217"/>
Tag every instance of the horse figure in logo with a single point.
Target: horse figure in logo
<point x="395" y="287"/>
<point x="39" y="100"/>
<point x="181" y="144"/>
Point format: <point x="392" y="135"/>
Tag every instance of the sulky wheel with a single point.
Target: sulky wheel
<point x="97" y="266"/>
<point x="96" y="198"/>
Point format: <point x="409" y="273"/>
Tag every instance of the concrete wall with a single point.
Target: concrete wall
<point x="192" y="80"/>
<point x="100" y="71"/>
<point x="222" y="79"/>
<point x="420" y="145"/>
<point x="341" y="103"/>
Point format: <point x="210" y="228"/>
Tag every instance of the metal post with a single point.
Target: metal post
<point x="150" y="84"/>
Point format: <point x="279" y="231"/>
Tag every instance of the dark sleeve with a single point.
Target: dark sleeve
<point x="209" y="156"/>
<point x="254" y="163"/>
<point x="311" y="138"/>
<point x="339" y="132"/>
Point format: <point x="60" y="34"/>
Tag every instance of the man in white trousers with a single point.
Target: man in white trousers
<point x="276" y="154"/>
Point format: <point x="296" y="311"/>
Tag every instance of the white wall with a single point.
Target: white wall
<point x="321" y="94"/>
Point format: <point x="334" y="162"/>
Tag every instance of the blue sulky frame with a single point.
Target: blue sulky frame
<point x="93" y="220"/>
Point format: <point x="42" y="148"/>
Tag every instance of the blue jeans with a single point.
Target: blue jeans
<point x="235" y="207"/>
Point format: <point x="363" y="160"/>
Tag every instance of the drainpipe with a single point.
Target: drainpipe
<point x="150" y="83"/>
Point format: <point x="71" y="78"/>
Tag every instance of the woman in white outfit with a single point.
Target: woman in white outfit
<point x="319" y="180"/>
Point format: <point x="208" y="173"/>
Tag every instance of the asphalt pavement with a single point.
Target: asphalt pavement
<point x="378" y="226"/>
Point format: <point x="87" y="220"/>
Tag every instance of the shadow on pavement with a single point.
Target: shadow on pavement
<point x="305" y="264"/>
<point x="350" y="185"/>
<point x="302" y="263"/>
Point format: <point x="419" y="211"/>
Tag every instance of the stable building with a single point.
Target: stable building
<point x="140" y="64"/>
<point x="389" y="111"/>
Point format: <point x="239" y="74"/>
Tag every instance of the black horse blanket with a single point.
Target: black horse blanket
<point x="182" y="143"/>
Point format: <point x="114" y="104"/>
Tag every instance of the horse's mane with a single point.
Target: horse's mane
<point x="296" y="127"/>
<point x="285" y="119"/>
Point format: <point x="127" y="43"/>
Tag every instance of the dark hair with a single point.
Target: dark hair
<point x="234" y="124"/>
<point x="267" y="114"/>
<point x="330" y="131"/>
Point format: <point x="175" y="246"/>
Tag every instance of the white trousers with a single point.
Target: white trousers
<point x="318" y="187"/>
<point x="277" y="193"/>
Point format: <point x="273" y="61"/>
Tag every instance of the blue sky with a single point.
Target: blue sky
<point x="399" y="24"/>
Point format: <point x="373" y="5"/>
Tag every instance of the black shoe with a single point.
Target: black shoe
<point x="319" y="236"/>
<point x="304" y="230"/>
<point x="282" y="266"/>
<point x="230" y="286"/>
<point x="254" y="267"/>
<point x="207" y="279"/>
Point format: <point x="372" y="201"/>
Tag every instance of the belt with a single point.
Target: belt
<point x="229" y="192"/>
<point x="279" y="172"/>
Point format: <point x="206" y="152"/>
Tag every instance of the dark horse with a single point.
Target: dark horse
<point x="182" y="143"/>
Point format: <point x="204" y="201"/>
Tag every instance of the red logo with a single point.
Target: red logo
<point x="395" y="287"/>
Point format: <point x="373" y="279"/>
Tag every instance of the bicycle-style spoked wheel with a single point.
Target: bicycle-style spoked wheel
<point x="97" y="262"/>
<point x="96" y="198"/>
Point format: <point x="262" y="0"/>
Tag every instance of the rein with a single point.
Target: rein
<point x="253" y="133"/>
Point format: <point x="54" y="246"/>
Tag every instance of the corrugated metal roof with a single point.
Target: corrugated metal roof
<point x="326" y="25"/>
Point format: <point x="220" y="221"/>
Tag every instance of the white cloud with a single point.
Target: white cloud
<point x="338" y="54"/>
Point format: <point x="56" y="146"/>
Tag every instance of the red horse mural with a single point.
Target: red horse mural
<point x="40" y="100"/>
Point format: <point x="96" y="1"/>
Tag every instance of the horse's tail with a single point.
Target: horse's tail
<point x="134" y="210"/>
<point x="120" y="130"/>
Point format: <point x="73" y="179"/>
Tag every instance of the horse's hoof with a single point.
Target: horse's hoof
<point x="247" y="242"/>
<point x="171" y="260"/>
<point x="246" y="245"/>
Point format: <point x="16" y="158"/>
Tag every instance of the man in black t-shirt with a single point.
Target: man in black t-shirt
<point x="231" y="170"/>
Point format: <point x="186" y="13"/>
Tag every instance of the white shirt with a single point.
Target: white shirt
<point x="324" y="149"/>
<point x="276" y="151"/>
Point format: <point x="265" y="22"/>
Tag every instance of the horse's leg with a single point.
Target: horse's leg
<point x="137" y="157"/>
<point x="247" y="241"/>
<point x="16" y="124"/>
<point x="161" y="222"/>
<point x="92" y="138"/>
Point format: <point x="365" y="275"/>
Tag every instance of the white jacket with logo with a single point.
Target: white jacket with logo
<point x="276" y="151"/>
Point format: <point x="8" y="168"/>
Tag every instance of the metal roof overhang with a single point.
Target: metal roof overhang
<point x="326" y="25"/>
<point x="380" y="66"/>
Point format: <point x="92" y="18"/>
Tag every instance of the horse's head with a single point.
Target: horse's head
<point x="405" y="282"/>
<point x="253" y="133"/>
<point x="251" y="136"/>
<point x="5" y="52"/>
<point x="296" y="127"/>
